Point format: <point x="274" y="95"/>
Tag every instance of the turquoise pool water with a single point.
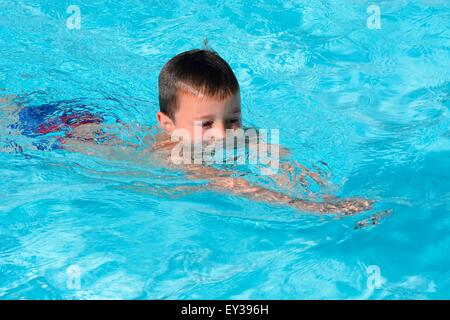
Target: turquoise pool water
<point x="371" y="103"/>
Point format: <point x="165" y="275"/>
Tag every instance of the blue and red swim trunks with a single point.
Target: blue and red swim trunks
<point x="51" y="124"/>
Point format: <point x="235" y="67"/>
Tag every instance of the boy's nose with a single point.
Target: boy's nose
<point x="220" y="127"/>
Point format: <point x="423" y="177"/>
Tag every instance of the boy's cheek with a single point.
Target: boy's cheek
<point x="189" y="133"/>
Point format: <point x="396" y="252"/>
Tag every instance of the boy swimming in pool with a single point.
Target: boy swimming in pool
<point x="199" y="98"/>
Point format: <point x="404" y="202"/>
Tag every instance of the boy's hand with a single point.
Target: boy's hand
<point x="347" y="206"/>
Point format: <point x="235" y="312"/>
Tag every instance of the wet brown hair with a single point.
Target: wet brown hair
<point x="200" y="72"/>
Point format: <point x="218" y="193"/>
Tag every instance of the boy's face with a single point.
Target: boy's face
<point x="198" y="113"/>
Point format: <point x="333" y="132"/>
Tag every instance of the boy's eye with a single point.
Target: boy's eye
<point x="233" y="122"/>
<point x="207" y="124"/>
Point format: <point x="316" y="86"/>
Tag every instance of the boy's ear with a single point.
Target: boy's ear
<point x="165" y="122"/>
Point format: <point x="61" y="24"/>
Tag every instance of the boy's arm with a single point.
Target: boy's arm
<point x="223" y="181"/>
